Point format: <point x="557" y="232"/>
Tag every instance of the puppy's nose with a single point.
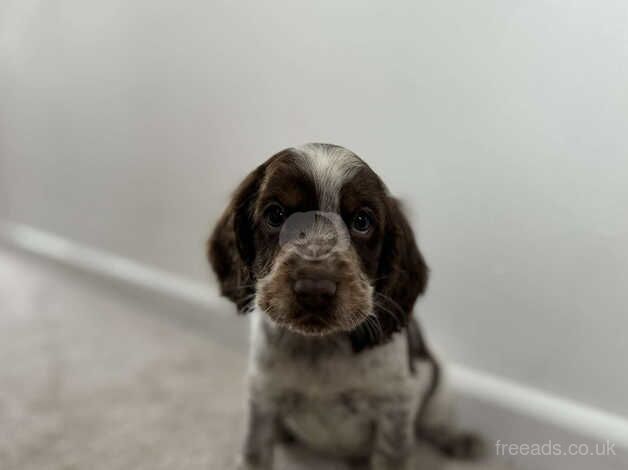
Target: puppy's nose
<point x="315" y="287"/>
<point x="314" y="293"/>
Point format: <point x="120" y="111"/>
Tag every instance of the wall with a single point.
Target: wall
<point x="124" y="125"/>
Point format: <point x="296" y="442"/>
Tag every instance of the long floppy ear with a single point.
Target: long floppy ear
<point x="231" y="248"/>
<point x="402" y="276"/>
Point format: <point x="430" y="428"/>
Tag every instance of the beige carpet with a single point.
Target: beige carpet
<point x="94" y="378"/>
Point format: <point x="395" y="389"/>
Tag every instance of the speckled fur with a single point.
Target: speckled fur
<point x="333" y="400"/>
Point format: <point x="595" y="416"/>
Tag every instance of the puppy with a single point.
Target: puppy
<point x="315" y="248"/>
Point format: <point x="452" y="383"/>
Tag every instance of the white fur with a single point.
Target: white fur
<point x="314" y="388"/>
<point x="330" y="168"/>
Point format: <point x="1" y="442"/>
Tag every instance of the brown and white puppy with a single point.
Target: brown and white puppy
<point x="314" y="246"/>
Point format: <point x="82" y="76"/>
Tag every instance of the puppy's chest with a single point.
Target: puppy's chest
<point x="338" y="372"/>
<point x="329" y="399"/>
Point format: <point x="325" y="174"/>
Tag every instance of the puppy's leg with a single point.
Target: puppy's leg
<point x="259" y="443"/>
<point x="460" y="445"/>
<point x="436" y="422"/>
<point x="394" y="436"/>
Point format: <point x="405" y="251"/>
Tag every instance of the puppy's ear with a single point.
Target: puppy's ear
<point x="402" y="277"/>
<point x="231" y="247"/>
<point x="403" y="273"/>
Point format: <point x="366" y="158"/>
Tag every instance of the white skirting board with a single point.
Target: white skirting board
<point x="506" y="412"/>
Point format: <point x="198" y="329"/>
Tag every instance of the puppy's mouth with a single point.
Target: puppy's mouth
<point x="310" y="325"/>
<point x="303" y="304"/>
<point x="315" y="302"/>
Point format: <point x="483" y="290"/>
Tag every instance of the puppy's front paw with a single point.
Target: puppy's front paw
<point x="459" y="445"/>
<point x="465" y="446"/>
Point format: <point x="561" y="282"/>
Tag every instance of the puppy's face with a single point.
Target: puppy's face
<point x="318" y="227"/>
<point x="315" y="241"/>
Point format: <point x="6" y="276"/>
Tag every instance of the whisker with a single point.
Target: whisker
<point x="390" y="313"/>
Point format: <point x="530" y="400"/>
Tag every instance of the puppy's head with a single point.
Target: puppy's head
<point x="314" y="240"/>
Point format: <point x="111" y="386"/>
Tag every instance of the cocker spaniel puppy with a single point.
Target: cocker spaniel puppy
<point x="316" y="249"/>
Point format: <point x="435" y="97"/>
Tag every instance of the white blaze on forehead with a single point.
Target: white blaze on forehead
<point x="330" y="167"/>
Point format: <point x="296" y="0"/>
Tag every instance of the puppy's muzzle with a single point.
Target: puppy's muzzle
<point x="316" y="239"/>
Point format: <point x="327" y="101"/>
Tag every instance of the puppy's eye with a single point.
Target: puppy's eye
<point x="361" y="223"/>
<point x="275" y="215"/>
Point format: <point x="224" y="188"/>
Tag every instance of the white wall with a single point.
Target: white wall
<point x="503" y="125"/>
